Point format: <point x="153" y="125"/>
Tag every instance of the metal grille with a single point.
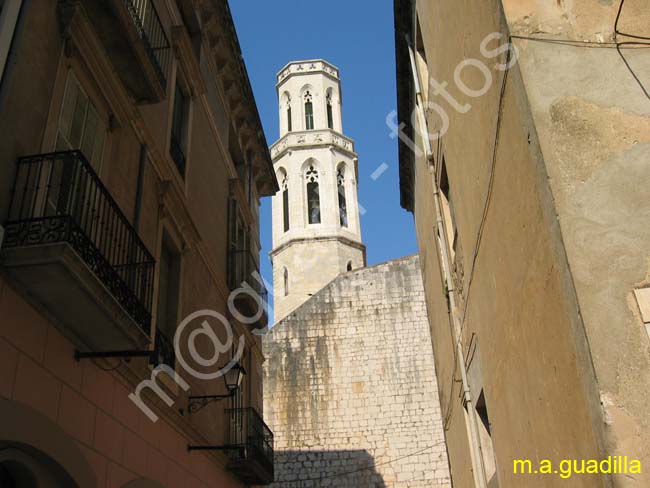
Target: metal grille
<point x="249" y="437"/>
<point x="58" y="197"/>
<point x="147" y="22"/>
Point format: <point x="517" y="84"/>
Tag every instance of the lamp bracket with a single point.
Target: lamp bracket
<point x="78" y="355"/>
<point x="196" y="403"/>
<point x="191" y="448"/>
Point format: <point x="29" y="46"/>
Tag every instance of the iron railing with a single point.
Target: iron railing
<point x="249" y="439"/>
<point x="58" y="197"/>
<point x="243" y="268"/>
<point x="147" y="22"/>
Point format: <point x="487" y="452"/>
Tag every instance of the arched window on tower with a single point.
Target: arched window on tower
<point x="349" y="266"/>
<point x="343" y="207"/>
<point x="330" y="116"/>
<point x="285" y="202"/>
<point x="309" y="111"/>
<point x="289" y="114"/>
<point x="285" y="110"/>
<point x="286" y="281"/>
<point x="313" y="197"/>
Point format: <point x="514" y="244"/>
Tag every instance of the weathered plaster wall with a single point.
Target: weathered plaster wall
<point x="564" y="234"/>
<point x="350" y="384"/>
<point x="593" y="123"/>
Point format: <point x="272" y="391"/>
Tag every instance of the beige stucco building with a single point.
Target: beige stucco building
<point x="316" y="231"/>
<point x="132" y="161"/>
<point x="528" y="176"/>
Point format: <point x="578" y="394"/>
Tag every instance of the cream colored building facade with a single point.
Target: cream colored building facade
<point x="316" y="227"/>
<point x="535" y="283"/>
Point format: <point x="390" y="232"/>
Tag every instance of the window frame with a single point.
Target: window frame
<point x="312" y="194"/>
<point x="309" y="110"/>
<point x="182" y="140"/>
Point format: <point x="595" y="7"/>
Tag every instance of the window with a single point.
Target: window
<point x="448" y="211"/>
<point x="286" y="282"/>
<point x="340" y="184"/>
<point x="238" y="246"/>
<point x="285" y="202"/>
<point x="309" y="111"/>
<point x="80" y="126"/>
<point x="178" y="137"/>
<point x="487" y="446"/>
<point x="285" y="111"/>
<point x="289" y="118"/>
<point x="287" y="101"/>
<point x="9" y="13"/>
<point x="330" y="117"/>
<point x="313" y="197"/>
<point x="168" y="295"/>
<point x="349" y="267"/>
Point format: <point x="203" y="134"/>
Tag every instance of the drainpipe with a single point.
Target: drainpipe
<point x="474" y="439"/>
<point x="139" y="189"/>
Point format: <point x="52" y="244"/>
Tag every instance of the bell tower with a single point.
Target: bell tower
<point x="316" y="228"/>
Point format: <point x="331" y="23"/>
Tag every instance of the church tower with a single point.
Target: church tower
<point x="316" y="228"/>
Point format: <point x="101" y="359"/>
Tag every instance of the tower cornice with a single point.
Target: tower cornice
<point x="308" y="139"/>
<point x="324" y="238"/>
<point x="309" y="66"/>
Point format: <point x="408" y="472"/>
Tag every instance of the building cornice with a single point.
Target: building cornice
<point x="405" y="101"/>
<point x="302" y="240"/>
<point x="310" y="139"/>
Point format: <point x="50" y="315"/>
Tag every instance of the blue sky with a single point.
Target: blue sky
<point x="357" y="37"/>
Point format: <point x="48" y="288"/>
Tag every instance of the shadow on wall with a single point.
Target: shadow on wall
<point x="340" y="468"/>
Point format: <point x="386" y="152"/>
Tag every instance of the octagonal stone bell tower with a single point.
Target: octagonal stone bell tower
<point x="316" y="228"/>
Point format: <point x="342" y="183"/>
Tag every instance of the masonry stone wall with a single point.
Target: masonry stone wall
<point x="350" y="388"/>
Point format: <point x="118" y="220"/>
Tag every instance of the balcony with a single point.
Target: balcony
<point x="134" y="39"/>
<point x="72" y="250"/>
<point x="249" y="446"/>
<point x="243" y="268"/>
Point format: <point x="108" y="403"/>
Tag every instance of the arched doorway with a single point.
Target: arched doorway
<point x="36" y="453"/>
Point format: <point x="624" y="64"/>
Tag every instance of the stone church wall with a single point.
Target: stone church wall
<point x="350" y="388"/>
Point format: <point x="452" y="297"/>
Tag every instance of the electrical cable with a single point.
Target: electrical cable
<point x="620" y="51"/>
<point x="488" y="198"/>
<point x="631" y="70"/>
<point x="618" y="32"/>
<point x="584" y="44"/>
<point x="367" y="468"/>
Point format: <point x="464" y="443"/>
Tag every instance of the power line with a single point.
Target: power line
<point x="620" y="51"/>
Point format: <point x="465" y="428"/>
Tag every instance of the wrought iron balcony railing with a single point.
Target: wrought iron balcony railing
<point x="243" y="268"/>
<point x="250" y="446"/>
<point x="58" y="198"/>
<point x="147" y="22"/>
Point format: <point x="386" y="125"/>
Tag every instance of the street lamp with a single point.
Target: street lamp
<point x="232" y="378"/>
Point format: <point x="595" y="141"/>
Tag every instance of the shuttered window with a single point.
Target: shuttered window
<point x="80" y="126"/>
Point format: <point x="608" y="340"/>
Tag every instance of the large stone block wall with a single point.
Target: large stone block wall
<point x="350" y="388"/>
